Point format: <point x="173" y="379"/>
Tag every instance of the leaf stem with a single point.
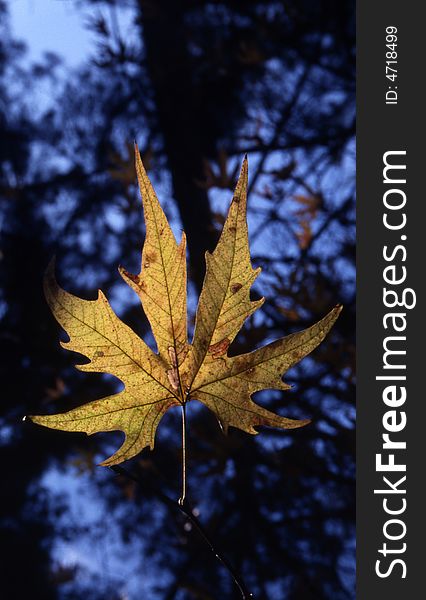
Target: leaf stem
<point x="183" y="494"/>
<point x="185" y="508"/>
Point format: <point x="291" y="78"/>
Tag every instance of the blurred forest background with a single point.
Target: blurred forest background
<point x="197" y="83"/>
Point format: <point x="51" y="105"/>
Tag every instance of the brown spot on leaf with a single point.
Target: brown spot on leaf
<point x="172" y="355"/>
<point x="173" y="377"/>
<point x="217" y="350"/>
<point x="134" y="278"/>
<point x="232" y="229"/>
<point x="98" y="353"/>
<point x="235" y="287"/>
<point x="251" y="370"/>
<point x="137" y="280"/>
<point x="151" y="256"/>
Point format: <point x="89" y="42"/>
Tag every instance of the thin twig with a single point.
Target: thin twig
<point x="285" y="115"/>
<point x="183" y="495"/>
<point x="185" y="508"/>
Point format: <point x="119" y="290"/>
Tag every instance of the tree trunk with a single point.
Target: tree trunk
<point x="182" y="121"/>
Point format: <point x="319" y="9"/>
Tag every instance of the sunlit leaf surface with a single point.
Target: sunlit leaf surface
<point x="180" y="371"/>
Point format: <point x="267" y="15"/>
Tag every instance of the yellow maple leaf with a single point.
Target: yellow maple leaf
<point x="180" y="371"/>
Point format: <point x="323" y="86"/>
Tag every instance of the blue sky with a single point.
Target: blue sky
<point x="51" y="25"/>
